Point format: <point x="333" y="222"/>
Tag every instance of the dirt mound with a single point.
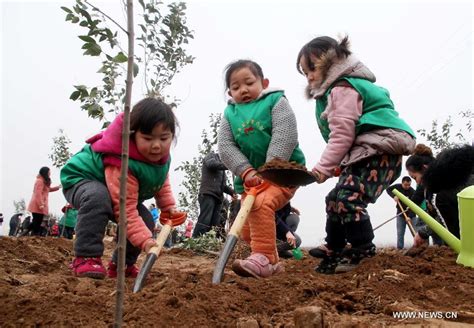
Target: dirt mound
<point x="37" y="289"/>
<point x="286" y="173"/>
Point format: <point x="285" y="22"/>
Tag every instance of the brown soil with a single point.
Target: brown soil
<point x="285" y="173"/>
<point x="37" y="289"/>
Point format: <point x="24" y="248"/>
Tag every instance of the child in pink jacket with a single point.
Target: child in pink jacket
<point x="365" y="141"/>
<point x="91" y="183"/>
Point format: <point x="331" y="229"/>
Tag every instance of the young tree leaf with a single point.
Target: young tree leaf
<point x="67" y="10"/>
<point x="120" y="58"/>
<point x="135" y="69"/>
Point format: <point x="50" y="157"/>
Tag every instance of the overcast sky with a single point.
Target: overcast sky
<point x="420" y="51"/>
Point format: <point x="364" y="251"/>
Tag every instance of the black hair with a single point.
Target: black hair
<point x="451" y="169"/>
<point x="422" y="155"/>
<point x="149" y="112"/>
<point x="241" y="63"/>
<point x="406" y="178"/>
<point x="319" y="46"/>
<point x="43" y="172"/>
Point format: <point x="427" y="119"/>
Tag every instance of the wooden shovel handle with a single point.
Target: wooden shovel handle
<point x="407" y="219"/>
<point x="244" y="211"/>
<point x="161" y="239"/>
<point x="246" y="207"/>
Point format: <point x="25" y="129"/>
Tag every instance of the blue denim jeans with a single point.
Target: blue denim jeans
<point x="401" y="227"/>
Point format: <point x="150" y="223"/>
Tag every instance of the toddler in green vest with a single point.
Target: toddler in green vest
<point x="258" y="125"/>
<point x="91" y="183"/>
<point x="365" y="142"/>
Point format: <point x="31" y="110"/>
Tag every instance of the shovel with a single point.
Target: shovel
<point x="407" y="219"/>
<point x="388" y="220"/>
<point x="168" y="221"/>
<point x="233" y="235"/>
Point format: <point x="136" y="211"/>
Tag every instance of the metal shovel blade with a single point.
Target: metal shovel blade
<point x="151" y="258"/>
<point x="223" y="258"/>
<point x="146" y="267"/>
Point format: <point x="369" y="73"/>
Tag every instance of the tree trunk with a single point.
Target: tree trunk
<point x="123" y="173"/>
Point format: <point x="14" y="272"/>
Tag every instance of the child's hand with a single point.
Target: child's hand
<point x="173" y="211"/>
<point x="149" y="245"/>
<point x="320" y="177"/>
<point x="251" y="179"/>
<point x="419" y="241"/>
<point x="290" y="239"/>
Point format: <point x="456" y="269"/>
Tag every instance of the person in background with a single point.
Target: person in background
<point x="1" y="219"/>
<point x="156" y="214"/>
<point x="211" y="194"/>
<point x="406" y="189"/>
<point x="234" y="209"/>
<point x="189" y="229"/>
<point x="366" y="140"/>
<point x="24" y="228"/>
<point x="38" y="205"/>
<point x="442" y="178"/>
<point x="223" y="218"/>
<point x="91" y="180"/>
<point x="68" y="221"/>
<point x="287" y="221"/>
<point x="15" y="223"/>
<point x="53" y="228"/>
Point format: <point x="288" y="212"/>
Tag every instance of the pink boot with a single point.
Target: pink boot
<point x="90" y="267"/>
<point x="256" y="265"/>
<point x="130" y="272"/>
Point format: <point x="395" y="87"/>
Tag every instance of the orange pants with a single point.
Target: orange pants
<point x="259" y="228"/>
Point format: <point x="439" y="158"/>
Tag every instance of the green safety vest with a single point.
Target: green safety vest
<point x="251" y="125"/>
<point x="377" y="112"/>
<point x="88" y="165"/>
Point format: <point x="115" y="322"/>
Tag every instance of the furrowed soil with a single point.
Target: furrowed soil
<point x="37" y="289"/>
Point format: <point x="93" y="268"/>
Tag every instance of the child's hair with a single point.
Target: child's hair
<point x="149" y="112"/>
<point x="43" y="172"/>
<point x="321" y="46"/>
<point x="406" y="178"/>
<point x="422" y="155"/>
<point x="241" y="63"/>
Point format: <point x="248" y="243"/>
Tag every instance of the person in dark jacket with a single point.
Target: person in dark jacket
<point x="406" y="189"/>
<point x="287" y="220"/>
<point x="24" y="229"/>
<point x="15" y="223"/>
<point x="211" y="193"/>
<point x="442" y="177"/>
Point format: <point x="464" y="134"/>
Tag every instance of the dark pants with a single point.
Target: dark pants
<point x="359" y="185"/>
<point x="209" y="214"/>
<point x="132" y="252"/>
<point x="13" y="228"/>
<point x="94" y="205"/>
<point x="35" y="226"/>
<point x="66" y="232"/>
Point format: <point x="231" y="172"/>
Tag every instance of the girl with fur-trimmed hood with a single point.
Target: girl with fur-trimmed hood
<point x="365" y="143"/>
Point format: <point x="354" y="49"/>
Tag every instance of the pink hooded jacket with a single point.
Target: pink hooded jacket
<point x="39" y="200"/>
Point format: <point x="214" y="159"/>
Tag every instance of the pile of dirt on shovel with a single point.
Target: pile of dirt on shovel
<point x="37" y="289"/>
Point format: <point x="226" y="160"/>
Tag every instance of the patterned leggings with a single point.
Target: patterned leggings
<point x="360" y="184"/>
